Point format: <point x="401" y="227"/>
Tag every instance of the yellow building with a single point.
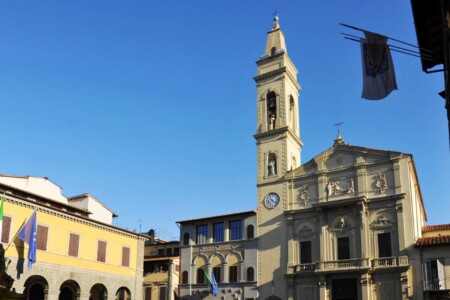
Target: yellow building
<point x="79" y="255"/>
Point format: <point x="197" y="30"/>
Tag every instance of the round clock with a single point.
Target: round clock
<point x="272" y="200"/>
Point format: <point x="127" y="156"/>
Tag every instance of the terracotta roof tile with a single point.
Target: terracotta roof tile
<point x="436" y="227"/>
<point x="433" y="240"/>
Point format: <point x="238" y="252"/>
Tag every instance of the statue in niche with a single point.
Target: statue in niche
<point x="272" y="165"/>
<point x="341" y="223"/>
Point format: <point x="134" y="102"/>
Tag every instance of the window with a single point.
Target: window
<point x="217" y="272"/>
<point x="6" y="229"/>
<point x="434" y="275"/>
<point x="162" y="293"/>
<point x="74" y="242"/>
<point x="200" y="276"/>
<point x="384" y="245"/>
<point x="250" y="274"/>
<point x="233" y="274"/>
<point x="125" y="256"/>
<point x="202" y="234"/>
<point x="148" y="293"/>
<point x="250" y="232"/>
<point x="101" y="251"/>
<point x="169" y="251"/>
<point x="343" y="247"/>
<point x="41" y="237"/>
<point x="305" y="252"/>
<point x="185" y="277"/>
<point x="271" y="109"/>
<point x="236" y="230"/>
<point x="218" y="231"/>
<point x="186" y="239"/>
<point x="160" y="252"/>
<point x="177" y="251"/>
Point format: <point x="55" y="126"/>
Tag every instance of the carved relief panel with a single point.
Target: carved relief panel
<point x="340" y="187"/>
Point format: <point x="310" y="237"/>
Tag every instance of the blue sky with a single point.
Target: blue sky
<point x="150" y="105"/>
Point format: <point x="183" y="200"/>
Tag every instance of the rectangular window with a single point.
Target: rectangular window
<point x="305" y="252"/>
<point x="162" y="293"/>
<point x="216" y="271"/>
<point x="218" y="232"/>
<point x="200" y="276"/>
<point x="148" y="293"/>
<point x="74" y="242"/>
<point x="202" y="234"/>
<point x="41" y="237"/>
<point x="384" y="245"/>
<point x="161" y="252"/>
<point x="434" y="275"/>
<point x="169" y="251"/>
<point x="125" y="256"/>
<point x="177" y="251"/>
<point x="235" y="230"/>
<point x="101" y="251"/>
<point x="233" y="274"/>
<point x="343" y="247"/>
<point x="6" y="229"/>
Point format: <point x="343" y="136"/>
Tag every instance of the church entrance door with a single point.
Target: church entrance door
<point x="344" y="289"/>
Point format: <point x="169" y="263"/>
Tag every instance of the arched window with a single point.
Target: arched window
<point x="271" y="109"/>
<point x="186" y="239"/>
<point x="272" y="165"/>
<point x="292" y="112"/>
<point x="250" y="274"/>
<point x="250" y="232"/>
<point x="273" y="50"/>
<point x="185" y="277"/>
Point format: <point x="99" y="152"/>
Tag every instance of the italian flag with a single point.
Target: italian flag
<point x="1" y="219"/>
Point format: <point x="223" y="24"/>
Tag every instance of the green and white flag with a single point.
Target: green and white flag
<point x="1" y="219"/>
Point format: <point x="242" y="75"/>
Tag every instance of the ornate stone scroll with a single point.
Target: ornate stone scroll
<point x="304" y="195"/>
<point x="381" y="183"/>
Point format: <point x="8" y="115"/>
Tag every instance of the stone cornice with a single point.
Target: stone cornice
<point x="277" y="72"/>
<point x="278" y="131"/>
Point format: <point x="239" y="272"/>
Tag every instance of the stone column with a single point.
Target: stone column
<point x="322" y="288"/>
<point x="291" y="244"/>
<point x="225" y="272"/>
<point x="170" y="281"/>
<point x="365" y="287"/>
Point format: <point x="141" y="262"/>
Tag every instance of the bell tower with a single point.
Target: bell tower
<point x="278" y="133"/>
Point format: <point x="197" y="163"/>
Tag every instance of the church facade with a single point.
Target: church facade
<point x="343" y="225"/>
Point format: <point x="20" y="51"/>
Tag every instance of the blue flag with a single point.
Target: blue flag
<point x="28" y="235"/>
<point x="214" y="287"/>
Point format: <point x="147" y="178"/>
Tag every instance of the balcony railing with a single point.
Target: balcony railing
<point x="304" y="268"/>
<point x="352" y="264"/>
<point x="434" y="285"/>
<point x="389" y="262"/>
<point x="343" y="264"/>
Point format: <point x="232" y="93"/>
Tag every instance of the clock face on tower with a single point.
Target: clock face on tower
<point x="272" y="200"/>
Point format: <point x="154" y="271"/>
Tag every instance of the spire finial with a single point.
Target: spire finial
<point x="339" y="139"/>
<point x="275" y="20"/>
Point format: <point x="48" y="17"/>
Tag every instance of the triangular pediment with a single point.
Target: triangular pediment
<point x="344" y="157"/>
